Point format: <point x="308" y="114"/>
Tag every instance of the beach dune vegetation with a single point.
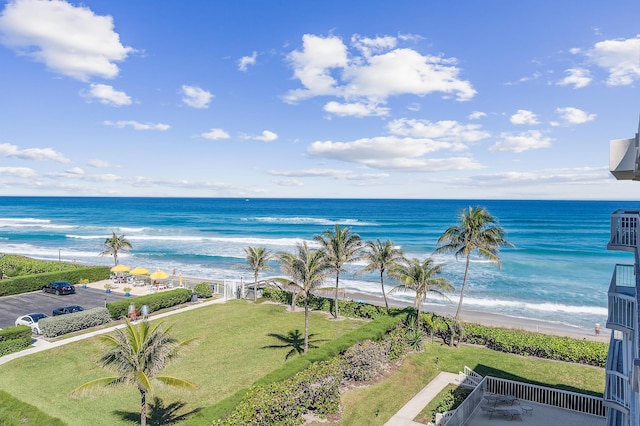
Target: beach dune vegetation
<point x="340" y="246"/>
<point x="115" y="244"/>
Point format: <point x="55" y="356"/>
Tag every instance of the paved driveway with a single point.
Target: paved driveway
<point x="11" y="307"/>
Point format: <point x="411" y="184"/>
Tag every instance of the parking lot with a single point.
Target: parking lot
<point x="11" y="307"/>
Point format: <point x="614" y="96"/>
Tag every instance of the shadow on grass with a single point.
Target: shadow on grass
<point x="294" y="340"/>
<point x="159" y="414"/>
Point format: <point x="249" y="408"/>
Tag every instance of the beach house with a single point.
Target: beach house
<point x="622" y="389"/>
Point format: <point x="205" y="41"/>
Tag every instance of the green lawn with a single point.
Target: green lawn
<point x="229" y="357"/>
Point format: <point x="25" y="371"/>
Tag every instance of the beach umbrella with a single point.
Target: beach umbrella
<point x="120" y="268"/>
<point x="180" y="279"/>
<point x="159" y="275"/>
<point x="139" y="270"/>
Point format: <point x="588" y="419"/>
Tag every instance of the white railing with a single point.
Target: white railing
<point x="624" y="276"/>
<point x="469" y="378"/>
<point x="442" y="418"/>
<point x="622" y="311"/>
<point x="624" y="228"/>
<point x="617" y="390"/>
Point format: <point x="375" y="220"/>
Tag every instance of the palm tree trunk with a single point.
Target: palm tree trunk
<point x="306" y="323"/>
<point x="464" y="285"/>
<point x="383" y="292"/>
<point x="143" y="408"/>
<point x="418" y="318"/>
<point x="255" y="287"/>
<point x="336" y="298"/>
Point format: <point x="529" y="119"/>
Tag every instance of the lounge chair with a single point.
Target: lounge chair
<point x="489" y="410"/>
<point x="511" y="412"/>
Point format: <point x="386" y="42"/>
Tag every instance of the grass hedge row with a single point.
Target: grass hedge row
<point x="25" y="284"/>
<point x="155" y="302"/>
<point x="14" y="339"/>
<point x="538" y="345"/>
<point x="64" y="324"/>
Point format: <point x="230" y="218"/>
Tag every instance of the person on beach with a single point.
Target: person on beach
<point x="144" y="311"/>
<point x="132" y="312"/>
<point x="597" y="329"/>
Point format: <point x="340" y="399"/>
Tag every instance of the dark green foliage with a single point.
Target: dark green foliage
<point x="15" y="412"/>
<point x="14" y="339"/>
<point x="395" y="343"/>
<point x="203" y="290"/>
<point x="157" y="301"/>
<point x="13" y="265"/>
<point x="63" y="324"/>
<point x="450" y="400"/>
<point x="538" y="345"/>
<point x="25" y="284"/>
<point x="277" y="296"/>
<point x="364" y="360"/>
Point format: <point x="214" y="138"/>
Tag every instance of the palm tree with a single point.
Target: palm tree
<point x="340" y="247"/>
<point x="257" y="258"/>
<point x="381" y="257"/>
<point x="476" y="231"/>
<point x="115" y="244"/>
<point x="137" y="355"/>
<point x="307" y="270"/>
<point x="420" y="278"/>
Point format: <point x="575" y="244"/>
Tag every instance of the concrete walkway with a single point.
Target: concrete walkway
<point x="42" y="345"/>
<point x="411" y="409"/>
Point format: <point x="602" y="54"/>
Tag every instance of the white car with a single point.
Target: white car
<point x="32" y="321"/>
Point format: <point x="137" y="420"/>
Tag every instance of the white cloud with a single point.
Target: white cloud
<point x="20" y="172"/>
<point x="578" y="77"/>
<point x="69" y="40"/>
<point x="246" y="61"/>
<point x="108" y="95"/>
<point x="532" y="139"/>
<point x="476" y="115"/>
<point x="196" y="97"/>
<point x="324" y="67"/>
<point x="99" y="164"/>
<point x="446" y="130"/>
<point x="574" y="115"/>
<point x="619" y="57"/>
<point x="288" y="182"/>
<point x="330" y="173"/>
<point x="355" y="109"/>
<point x="524" y="117"/>
<point x="9" y="150"/>
<point x="137" y="126"/>
<point x="266" y="136"/>
<point x="215" y="134"/>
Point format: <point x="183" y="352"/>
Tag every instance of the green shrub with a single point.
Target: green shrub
<point x="14" y="339"/>
<point x="364" y="360"/>
<point x="203" y="290"/>
<point x="64" y="324"/>
<point x="155" y="302"/>
<point x="449" y="400"/>
<point x="28" y="283"/>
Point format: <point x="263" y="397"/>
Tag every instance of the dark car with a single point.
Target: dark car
<point x="67" y="310"/>
<point x="59" y="287"/>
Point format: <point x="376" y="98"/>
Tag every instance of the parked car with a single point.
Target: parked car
<point x="31" y="320"/>
<point x="59" y="287"/>
<point x="67" y="310"/>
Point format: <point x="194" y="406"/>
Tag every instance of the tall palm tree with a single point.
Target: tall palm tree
<point x="115" y="244"/>
<point x="137" y="355"/>
<point x="380" y="257"/>
<point x="307" y="270"/>
<point x="476" y="231"/>
<point x="420" y="278"/>
<point x="340" y="247"/>
<point x="257" y="259"/>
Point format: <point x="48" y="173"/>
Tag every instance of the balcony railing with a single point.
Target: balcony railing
<point x="617" y="392"/>
<point x="624" y="229"/>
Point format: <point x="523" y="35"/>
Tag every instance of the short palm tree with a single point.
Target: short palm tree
<point x="307" y="269"/>
<point x="420" y="277"/>
<point x="476" y="231"/>
<point x="257" y="259"/>
<point x="340" y="247"/>
<point x="137" y="355"/>
<point x="380" y="257"/>
<point x="114" y="245"/>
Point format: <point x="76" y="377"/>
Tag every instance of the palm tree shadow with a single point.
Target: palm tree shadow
<point x="294" y="340"/>
<point x="159" y="414"/>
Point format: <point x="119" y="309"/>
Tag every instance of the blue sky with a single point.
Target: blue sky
<point x="356" y="99"/>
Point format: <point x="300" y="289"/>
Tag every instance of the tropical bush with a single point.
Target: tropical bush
<point x="63" y="324"/>
<point x="203" y="290"/>
<point x="449" y="400"/>
<point x="364" y="360"/>
<point x="34" y="282"/>
<point x="14" y="339"/>
<point x="13" y="265"/>
<point x="155" y="302"/>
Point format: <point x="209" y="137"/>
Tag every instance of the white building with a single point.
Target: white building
<point x="622" y="390"/>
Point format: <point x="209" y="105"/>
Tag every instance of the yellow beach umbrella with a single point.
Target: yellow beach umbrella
<point x="180" y="279"/>
<point x="139" y="270"/>
<point x="159" y="275"/>
<point x="120" y="268"/>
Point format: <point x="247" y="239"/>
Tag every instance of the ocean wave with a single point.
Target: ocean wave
<point x="30" y="223"/>
<point x="309" y="220"/>
<point x="49" y="253"/>
<point x="541" y="307"/>
<point x="253" y="241"/>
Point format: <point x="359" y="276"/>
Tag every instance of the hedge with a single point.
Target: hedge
<point x="64" y="324"/>
<point x="28" y="283"/>
<point x="15" y="339"/>
<point x="155" y="302"/>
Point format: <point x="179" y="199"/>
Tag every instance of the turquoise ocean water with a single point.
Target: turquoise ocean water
<point x="559" y="270"/>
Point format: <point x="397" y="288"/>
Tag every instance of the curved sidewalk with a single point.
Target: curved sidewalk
<point x="411" y="409"/>
<point x="42" y="345"/>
